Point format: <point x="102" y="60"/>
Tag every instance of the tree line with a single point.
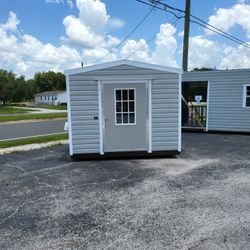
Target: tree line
<point x="15" y="88"/>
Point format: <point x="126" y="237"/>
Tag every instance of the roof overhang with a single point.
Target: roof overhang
<point x="123" y="62"/>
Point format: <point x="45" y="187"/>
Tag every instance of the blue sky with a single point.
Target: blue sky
<point x="58" y="34"/>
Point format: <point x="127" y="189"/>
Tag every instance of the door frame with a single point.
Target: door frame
<point x="208" y="83"/>
<point x="148" y="84"/>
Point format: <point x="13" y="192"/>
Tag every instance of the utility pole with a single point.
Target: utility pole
<point x="186" y="36"/>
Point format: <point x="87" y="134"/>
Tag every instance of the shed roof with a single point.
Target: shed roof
<point x="50" y="92"/>
<point x="123" y="62"/>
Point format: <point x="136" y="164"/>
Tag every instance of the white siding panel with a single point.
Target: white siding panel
<point x="165" y="113"/>
<point x="84" y="106"/>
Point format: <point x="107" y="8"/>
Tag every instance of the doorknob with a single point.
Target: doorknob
<point x="105" y="120"/>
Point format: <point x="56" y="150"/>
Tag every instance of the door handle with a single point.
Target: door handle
<point x="104" y="124"/>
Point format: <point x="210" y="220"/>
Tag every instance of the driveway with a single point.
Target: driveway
<point x="27" y="129"/>
<point x="200" y="200"/>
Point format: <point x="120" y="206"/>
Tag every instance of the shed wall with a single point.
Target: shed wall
<point x="226" y="112"/>
<point x="84" y="106"/>
<point x="165" y="110"/>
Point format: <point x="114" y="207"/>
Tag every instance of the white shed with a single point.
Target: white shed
<point x="51" y="98"/>
<point x="124" y="108"/>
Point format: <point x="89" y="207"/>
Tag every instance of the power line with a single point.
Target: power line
<point x="129" y="34"/>
<point x="147" y="42"/>
<point x="198" y="21"/>
<point x="157" y="7"/>
<point x="193" y="21"/>
<point x="173" y="22"/>
<point x="219" y="30"/>
<point x="206" y="23"/>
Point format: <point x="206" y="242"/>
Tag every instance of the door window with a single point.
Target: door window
<point x="125" y="113"/>
<point x="246" y="96"/>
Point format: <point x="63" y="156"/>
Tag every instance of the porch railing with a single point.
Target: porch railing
<point x="196" y="114"/>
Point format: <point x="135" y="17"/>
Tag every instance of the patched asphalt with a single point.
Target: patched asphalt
<point x="198" y="200"/>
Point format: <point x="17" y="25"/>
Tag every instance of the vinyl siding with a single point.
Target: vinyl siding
<point x="165" y="113"/>
<point x="226" y="111"/>
<point x="84" y="106"/>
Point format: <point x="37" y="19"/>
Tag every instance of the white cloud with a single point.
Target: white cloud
<point x="238" y="57"/>
<point x="166" y="46"/>
<point x="80" y="34"/>
<point x="92" y="55"/>
<point x="207" y="53"/>
<point x="203" y="52"/>
<point x="93" y="14"/>
<point x="12" y="22"/>
<point x="68" y="2"/>
<point x="116" y="22"/>
<point x="134" y="50"/>
<point x="25" y="54"/>
<point x="111" y="41"/>
<point x="225" y="19"/>
<point x="89" y="29"/>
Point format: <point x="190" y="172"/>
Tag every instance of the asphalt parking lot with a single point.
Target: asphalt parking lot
<point x="199" y="200"/>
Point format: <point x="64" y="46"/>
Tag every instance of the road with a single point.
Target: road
<point x="19" y="130"/>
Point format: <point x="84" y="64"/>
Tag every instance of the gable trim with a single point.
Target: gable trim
<point x="123" y="62"/>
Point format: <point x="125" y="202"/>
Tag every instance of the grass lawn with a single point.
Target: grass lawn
<point x="12" y="110"/>
<point x="31" y="117"/>
<point x="37" y="139"/>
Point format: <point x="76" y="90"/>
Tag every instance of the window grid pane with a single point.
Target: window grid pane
<point x="125" y="106"/>
<point x="248" y="91"/>
<point x="248" y="101"/>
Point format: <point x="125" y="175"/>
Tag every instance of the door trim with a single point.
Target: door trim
<point x="149" y="114"/>
<point x="148" y="84"/>
<point x="208" y="97"/>
<point x="101" y="122"/>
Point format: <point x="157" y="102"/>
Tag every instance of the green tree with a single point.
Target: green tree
<point x="30" y="89"/>
<point x="204" y="69"/>
<point x="48" y="81"/>
<point x="6" y="81"/>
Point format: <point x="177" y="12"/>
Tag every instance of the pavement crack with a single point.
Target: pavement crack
<point x="30" y="174"/>
<point x="10" y="216"/>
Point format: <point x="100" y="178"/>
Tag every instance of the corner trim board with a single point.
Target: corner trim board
<point x="100" y="116"/>
<point x="208" y="99"/>
<point x="149" y="87"/>
<point x="69" y="116"/>
<point x="180" y="112"/>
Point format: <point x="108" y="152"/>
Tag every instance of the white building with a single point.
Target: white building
<point x="51" y="98"/>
